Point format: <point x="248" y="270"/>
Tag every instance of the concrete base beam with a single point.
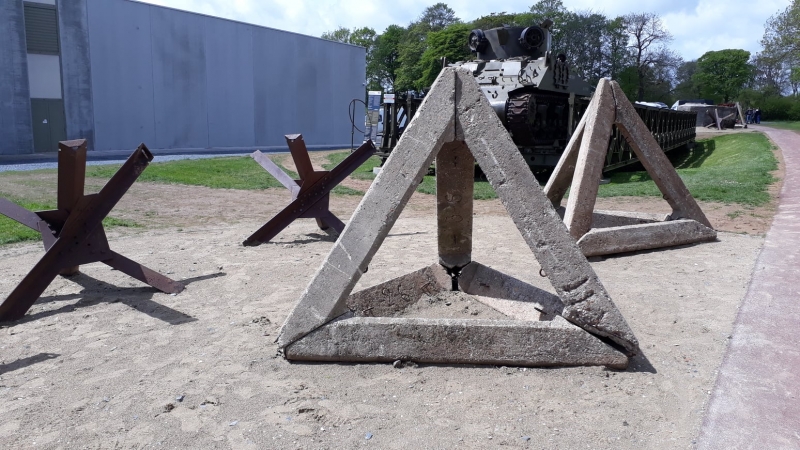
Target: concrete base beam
<point x="455" y="341"/>
<point x="631" y="238"/>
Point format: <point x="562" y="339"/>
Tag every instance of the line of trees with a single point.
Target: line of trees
<point x="632" y="49"/>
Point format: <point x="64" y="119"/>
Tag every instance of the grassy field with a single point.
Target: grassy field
<point x="240" y="172"/>
<point x="11" y="232"/>
<point x="734" y="168"/>
<point x="783" y="125"/>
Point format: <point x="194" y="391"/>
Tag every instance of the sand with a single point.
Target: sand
<point x="102" y="361"/>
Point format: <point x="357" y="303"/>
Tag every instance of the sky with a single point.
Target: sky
<point x="696" y="25"/>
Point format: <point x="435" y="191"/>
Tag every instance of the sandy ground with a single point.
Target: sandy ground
<point x="103" y="362"/>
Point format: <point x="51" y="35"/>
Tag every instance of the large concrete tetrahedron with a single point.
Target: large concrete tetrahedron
<point x="457" y="126"/>
<point x="580" y="169"/>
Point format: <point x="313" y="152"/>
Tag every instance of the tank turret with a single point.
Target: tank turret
<point x="533" y="91"/>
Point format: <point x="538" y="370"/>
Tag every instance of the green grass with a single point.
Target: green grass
<point x="482" y="191"/>
<point x="734" y="168"/>
<point x="364" y="171"/>
<point x="728" y="169"/>
<point x="12" y="232"/>
<point x="783" y="125"/>
<point x="219" y="173"/>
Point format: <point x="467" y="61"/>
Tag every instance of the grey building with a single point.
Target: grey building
<point x="120" y="72"/>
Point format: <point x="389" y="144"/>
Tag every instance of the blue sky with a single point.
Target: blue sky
<point x="697" y="25"/>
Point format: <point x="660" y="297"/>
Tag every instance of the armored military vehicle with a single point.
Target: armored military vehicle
<point x="540" y="100"/>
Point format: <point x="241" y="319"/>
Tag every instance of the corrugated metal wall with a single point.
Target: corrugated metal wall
<point x="178" y="80"/>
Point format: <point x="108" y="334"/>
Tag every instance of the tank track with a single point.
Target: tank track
<point x="522" y="121"/>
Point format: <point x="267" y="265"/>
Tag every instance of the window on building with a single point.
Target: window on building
<point x="41" y="28"/>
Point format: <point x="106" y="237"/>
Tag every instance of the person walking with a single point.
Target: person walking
<point x="748" y="115"/>
<point x="757" y="115"/>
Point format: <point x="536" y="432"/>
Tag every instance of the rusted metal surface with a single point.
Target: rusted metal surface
<point x="73" y="234"/>
<point x="311" y="193"/>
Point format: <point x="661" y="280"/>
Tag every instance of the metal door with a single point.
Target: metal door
<point x="49" y="124"/>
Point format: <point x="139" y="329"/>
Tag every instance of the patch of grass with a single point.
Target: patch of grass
<point x="220" y="173"/>
<point x="364" y="171"/>
<point x="735" y="214"/>
<point x="12" y="232"/>
<point x="783" y="125"/>
<point x="344" y="190"/>
<point x="734" y="168"/>
<point x="483" y="190"/>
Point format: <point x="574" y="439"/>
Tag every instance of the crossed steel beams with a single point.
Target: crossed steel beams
<point x="311" y="193"/>
<point x="73" y="234"/>
<point x="454" y="125"/>
<point x="580" y="169"/>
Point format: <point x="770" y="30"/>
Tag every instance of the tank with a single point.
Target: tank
<point x="539" y="100"/>
<point x="534" y="92"/>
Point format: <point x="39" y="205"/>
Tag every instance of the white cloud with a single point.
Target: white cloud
<point x="697" y="25"/>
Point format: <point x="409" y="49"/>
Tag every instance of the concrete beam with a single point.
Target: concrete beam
<point x="325" y="297"/>
<point x="455" y="341"/>
<point x="606" y="241"/>
<point x="586" y="302"/>
<point x="561" y="178"/>
<point x="455" y="173"/>
<point x="591" y="159"/>
<point x="655" y="161"/>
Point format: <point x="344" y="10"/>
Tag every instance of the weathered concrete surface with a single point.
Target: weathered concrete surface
<point x="76" y="70"/>
<point x="455" y="173"/>
<point x="655" y="161"/>
<point x="591" y="159"/>
<point x="561" y="178"/>
<point x="324" y="299"/>
<point x="756" y="400"/>
<point x="608" y="219"/>
<point x="586" y="302"/>
<point x="510" y="296"/>
<point x="455" y="341"/>
<point x="394" y="296"/>
<point x="631" y="238"/>
<point x="16" y="129"/>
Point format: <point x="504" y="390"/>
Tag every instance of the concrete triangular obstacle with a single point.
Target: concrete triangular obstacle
<point x="580" y="169"/>
<point x="457" y="126"/>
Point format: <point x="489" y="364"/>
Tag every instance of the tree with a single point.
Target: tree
<point x="685" y="86"/>
<point x="582" y="41"/>
<point x="437" y="17"/>
<point x="385" y="62"/>
<point x="616" y="55"/>
<point x="555" y="11"/>
<point x="363" y="37"/>
<point x="450" y="43"/>
<point x="495" y="20"/>
<point x="433" y="18"/>
<point x="779" y="63"/>
<point x="340" y="34"/>
<point x="722" y="74"/>
<point x="648" y="40"/>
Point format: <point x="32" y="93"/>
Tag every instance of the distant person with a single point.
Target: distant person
<point x="757" y="116"/>
<point x="748" y="115"/>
